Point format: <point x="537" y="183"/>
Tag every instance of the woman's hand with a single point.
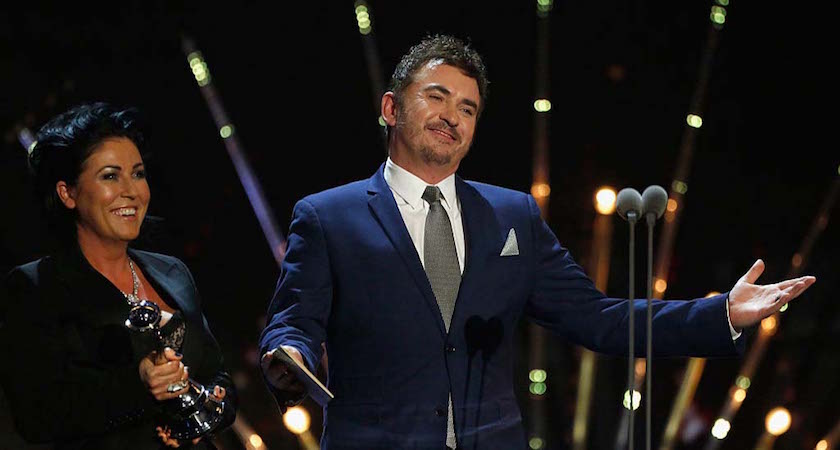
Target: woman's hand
<point x="164" y="375"/>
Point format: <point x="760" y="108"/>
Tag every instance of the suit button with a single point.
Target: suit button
<point x="450" y="349"/>
<point x="440" y="412"/>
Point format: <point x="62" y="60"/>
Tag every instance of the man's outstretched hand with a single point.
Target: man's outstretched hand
<point x="750" y="303"/>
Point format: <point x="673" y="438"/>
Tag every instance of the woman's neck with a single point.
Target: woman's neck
<point x="110" y="258"/>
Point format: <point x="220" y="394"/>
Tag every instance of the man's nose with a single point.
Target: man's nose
<point x="449" y="114"/>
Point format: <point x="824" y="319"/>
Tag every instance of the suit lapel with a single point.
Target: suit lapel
<point x="481" y="236"/>
<point x="384" y="208"/>
<point x="159" y="273"/>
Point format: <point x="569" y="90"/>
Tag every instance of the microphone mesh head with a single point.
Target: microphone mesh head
<point x="628" y="199"/>
<point x="654" y="200"/>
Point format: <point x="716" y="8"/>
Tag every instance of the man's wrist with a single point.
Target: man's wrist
<point x="732" y="332"/>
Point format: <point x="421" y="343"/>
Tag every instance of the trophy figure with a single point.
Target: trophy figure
<point x="193" y="413"/>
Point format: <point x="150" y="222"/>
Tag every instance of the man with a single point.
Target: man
<point x="416" y="279"/>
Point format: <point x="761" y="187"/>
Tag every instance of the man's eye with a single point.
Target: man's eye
<point x="468" y="112"/>
<point x="436" y="97"/>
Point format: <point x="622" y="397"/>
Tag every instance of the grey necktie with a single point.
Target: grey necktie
<point x="443" y="270"/>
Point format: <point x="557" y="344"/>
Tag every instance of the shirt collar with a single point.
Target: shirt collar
<point x="410" y="187"/>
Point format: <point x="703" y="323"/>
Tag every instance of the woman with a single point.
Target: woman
<point x="74" y="373"/>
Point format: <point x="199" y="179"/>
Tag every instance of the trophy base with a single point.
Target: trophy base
<point x="194" y="413"/>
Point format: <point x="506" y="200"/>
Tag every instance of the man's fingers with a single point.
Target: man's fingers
<point x="755" y="271"/>
<point x="808" y="280"/>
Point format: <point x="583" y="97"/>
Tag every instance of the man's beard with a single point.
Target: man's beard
<point x="427" y="152"/>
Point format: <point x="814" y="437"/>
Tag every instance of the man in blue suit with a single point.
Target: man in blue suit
<point x="415" y="280"/>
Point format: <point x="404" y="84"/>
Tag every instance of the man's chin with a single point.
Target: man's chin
<point x="437" y="158"/>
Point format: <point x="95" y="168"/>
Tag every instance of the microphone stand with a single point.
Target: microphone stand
<point x="651" y="221"/>
<point x="632" y="217"/>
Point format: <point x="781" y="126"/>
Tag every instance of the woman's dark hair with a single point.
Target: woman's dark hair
<point x="64" y="144"/>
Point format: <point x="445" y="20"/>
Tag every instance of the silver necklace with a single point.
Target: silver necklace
<point x="132" y="298"/>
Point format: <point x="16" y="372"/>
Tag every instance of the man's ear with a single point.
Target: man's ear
<point x="389" y="108"/>
<point x="66" y="194"/>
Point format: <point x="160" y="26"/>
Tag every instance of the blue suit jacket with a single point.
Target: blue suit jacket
<point x="352" y="278"/>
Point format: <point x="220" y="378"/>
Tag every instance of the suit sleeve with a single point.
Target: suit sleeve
<point x="565" y="301"/>
<point x="56" y="388"/>
<point x="298" y="312"/>
<point x="212" y="364"/>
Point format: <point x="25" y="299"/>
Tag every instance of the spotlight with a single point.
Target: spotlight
<point x="637" y="399"/>
<point x="721" y="428"/>
<point x="296" y="420"/>
<point x="694" y="121"/>
<point x="542" y="105"/>
<point x="777" y="421"/>
<point x="540" y="190"/>
<point x="605" y="200"/>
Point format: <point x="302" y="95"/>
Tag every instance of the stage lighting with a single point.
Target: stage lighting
<point x="537" y="376"/>
<point x="718" y="15"/>
<point x="777" y="421"/>
<point x="605" y="201"/>
<point x="363" y="18"/>
<point x="199" y="68"/>
<point x="672" y="205"/>
<point x="768" y="325"/>
<point x="640" y="368"/>
<point x="537" y="388"/>
<point x="721" y="428"/>
<point x="694" y="121"/>
<point x="679" y="186"/>
<point x="784" y="308"/>
<point x="381" y="121"/>
<point x="796" y="261"/>
<point x="822" y="445"/>
<point x="296" y="420"/>
<point x="255" y="440"/>
<point x="739" y="395"/>
<point x="542" y="105"/>
<point x="637" y="399"/>
<point x="712" y="294"/>
<point x="226" y="131"/>
<point x="536" y="443"/>
<point x="660" y="285"/>
<point x="742" y="382"/>
<point x="540" y="190"/>
<point x="723" y="2"/>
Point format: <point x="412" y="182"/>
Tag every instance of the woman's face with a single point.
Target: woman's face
<point x="111" y="195"/>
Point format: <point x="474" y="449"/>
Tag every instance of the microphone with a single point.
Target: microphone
<point x="654" y="200"/>
<point x="628" y="204"/>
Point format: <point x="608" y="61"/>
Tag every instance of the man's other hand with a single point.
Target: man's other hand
<point x="291" y="390"/>
<point x="750" y="303"/>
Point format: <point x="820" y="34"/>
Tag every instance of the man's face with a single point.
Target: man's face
<point x="437" y="118"/>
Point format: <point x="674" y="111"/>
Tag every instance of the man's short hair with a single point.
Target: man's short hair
<point x="452" y="51"/>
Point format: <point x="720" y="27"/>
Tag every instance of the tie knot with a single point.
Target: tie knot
<point x="432" y="194"/>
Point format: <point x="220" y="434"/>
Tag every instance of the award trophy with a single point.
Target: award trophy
<point x="193" y="413"/>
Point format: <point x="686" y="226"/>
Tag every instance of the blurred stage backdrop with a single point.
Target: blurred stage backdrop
<point x="725" y="105"/>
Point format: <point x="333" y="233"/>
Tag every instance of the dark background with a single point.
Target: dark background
<point x="294" y="82"/>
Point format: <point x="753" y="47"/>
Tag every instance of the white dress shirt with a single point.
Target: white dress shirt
<point x="408" y="192"/>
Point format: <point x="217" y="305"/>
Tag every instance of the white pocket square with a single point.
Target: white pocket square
<point x="511" y="247"/>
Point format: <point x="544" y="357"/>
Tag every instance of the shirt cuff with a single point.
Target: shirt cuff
<point x="735" y="334"/>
